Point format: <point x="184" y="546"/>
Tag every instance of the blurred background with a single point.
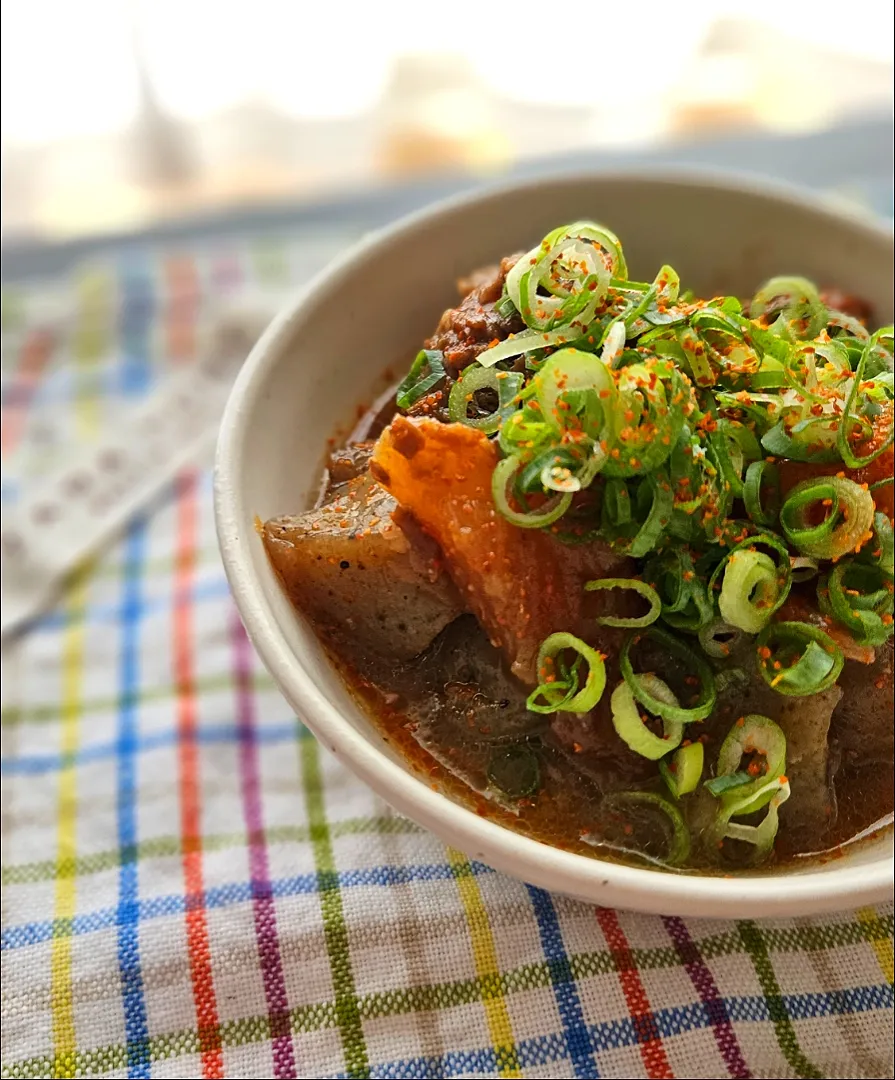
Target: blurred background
<point x="118" y="114"/>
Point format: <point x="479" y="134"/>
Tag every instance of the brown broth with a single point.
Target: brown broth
<point x="566" y="805"/>
<point x="439" y="718"/>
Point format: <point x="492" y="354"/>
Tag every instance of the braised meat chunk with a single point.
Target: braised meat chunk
<point x="468" y="329"/>
<point x="522" y="584"/>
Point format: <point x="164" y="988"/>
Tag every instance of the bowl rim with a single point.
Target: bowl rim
<point x="595" y="880"/>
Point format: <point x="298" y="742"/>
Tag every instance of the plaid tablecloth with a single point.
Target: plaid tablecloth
<point x="193" y="887"/>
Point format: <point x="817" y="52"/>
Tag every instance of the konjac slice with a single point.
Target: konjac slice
<point x="521" y="584"/>
<point x="351" y="568"/>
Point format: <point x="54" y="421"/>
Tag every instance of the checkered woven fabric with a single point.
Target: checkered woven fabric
<point x="193" y="887"/>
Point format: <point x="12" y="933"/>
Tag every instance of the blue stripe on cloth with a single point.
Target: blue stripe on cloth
<point x="213" y="589"/>
<point x="565" y="988"/>
<point x="614" y="1035"/>
<point x="35" y="764"/>
<point x="223" y="896"/>
<point x="128" y="913"/>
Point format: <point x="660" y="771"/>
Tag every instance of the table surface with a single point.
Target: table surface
<point x="192" y="887"/>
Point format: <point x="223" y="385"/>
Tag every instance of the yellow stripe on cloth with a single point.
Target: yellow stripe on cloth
<point x="881" y="945"/>
<point x="485" y="957"/>
<point x="61" y="995"/>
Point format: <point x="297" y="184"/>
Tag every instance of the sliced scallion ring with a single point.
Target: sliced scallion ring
<point x="631" y="805"/>
<point x="632" y="585"/>
<point x="798" y="659"/>
<point x="804" y="568"/>
<point x="848" y="510"/>
<point x="753" y="585"/>
<point x="426" y="372"/>
<point x="629" y="725"/>
<point x="882" y="549"/>
<point x="762" y="477"/>
<point x="555" y="676"/>
<point x="848" y="418"/>
<point x="719" y="639"/>
<point x="761" y="836"/>
<point x="803" y="313"/>
<point x="749" y="590"/>
<point x="505" y="385"/>
<point x="859" y="597"/>
<point x="685" y="604"/>
<point x="571" y="377"/>
<point x="502" y="480"/>
<point x="682" y="770"/>
<point x="756" y="737"/>
<point x="705" y="699"/>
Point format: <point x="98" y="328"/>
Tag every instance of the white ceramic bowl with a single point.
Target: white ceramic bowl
<point x="371" y="308"/>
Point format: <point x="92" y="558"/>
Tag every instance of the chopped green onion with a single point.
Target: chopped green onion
<point x="576" y="390"/>
<point x="630" y="726"/>
<point x="515" y="771"/>
<point x="623" y="803"/>
<point x="613" y="344"/>
<point x="753" y="586"/>
<point x="882" y="548"/>
<point x="735" y="446"/>
<point x="616" y="504"/>
<point x="504" y="476"/>
<point x="719" y="785"/>
<point x="840" y="321"/>
<point x="761" y="836"/>
<point x="803" y="313"/>
<point x="803" y="568"/>
<point x="812" y="440"/>
<point x="848" y="418"/>
<point x="682" y="771"/>
<point x="798" y="659"/>
<point x="648" y="417"/>
<point x="846" y="525"/>
<point x="426" y="372"/>
<point x="859" y="596"/>
<point x="641" y="588"/>
<point x="759" y="474"/>
<point x="504" y="385"/>
<point x="750" y="590"/>
<point x="750" y="735"/>
<point x="685" y="604"/>
<point x="705" y="699"/>
<point x="557" y="287"/>
<point x="556" y="676"/>
<point x="719" y="639"/>
<point x="654" y="503"/>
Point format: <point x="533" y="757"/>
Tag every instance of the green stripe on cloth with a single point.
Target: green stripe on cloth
<point x="165" y="846"/>
<point x="757" y="948"/>
<point x="11" y="716"/>
<point x="334" y="928"/>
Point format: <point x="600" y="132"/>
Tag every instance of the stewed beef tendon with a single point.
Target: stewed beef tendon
<point x="689" y="659"/>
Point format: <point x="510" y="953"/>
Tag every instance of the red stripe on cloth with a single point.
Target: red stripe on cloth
<point x="198" y="947"/>
<point x="266" y="935"/>
<point x="650" y="1041"/>
<point x="36" y="351"/>
<point x="181" y="298"/>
